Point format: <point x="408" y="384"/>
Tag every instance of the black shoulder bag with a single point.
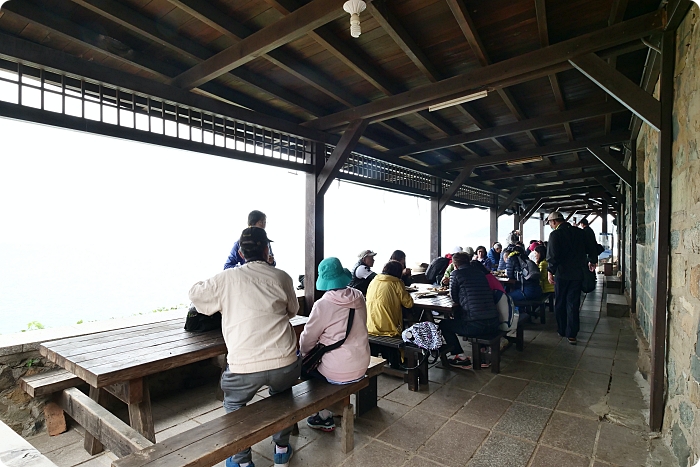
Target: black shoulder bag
<point x="197" y="322"/>
<point x="312" y="360"/>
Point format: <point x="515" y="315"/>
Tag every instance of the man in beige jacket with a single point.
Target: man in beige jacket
<point x="256" y="301"/>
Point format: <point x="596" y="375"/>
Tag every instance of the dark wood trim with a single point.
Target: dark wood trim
<point x="633" y="230"/>
<point x="535" y="123"/>
<point x="340" y="154"/>
<point x="534" y="63"/>
<point x="454" y="187"/>
<point x="619" y="87"/>
<point x="532" y="209"/>
<point x="559" y="178"/>
<point x="543" y="151"/>
<point x="435" y="222"/>
<point x="611" y="163"/>
<point x="493" y="225"/>
<point x="291" y="27"/>
<point x="663" y="234"/>
<point x="513" y="195"/>
<point x="314" y="230"/>
<point x="676" y="11"/>
<point x="609" y="187"/>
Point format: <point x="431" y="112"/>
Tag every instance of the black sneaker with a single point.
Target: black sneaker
<point x="317" y="423"/>
<point x="457" y="362"/>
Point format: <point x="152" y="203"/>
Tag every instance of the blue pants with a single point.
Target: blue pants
<point x="240" y="388"/>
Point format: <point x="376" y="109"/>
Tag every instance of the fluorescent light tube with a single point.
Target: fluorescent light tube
<point x="459" y="100"/>
<point x="524" y="161"/>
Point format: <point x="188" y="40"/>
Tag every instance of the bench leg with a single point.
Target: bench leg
<point x="543" y="317"/>
<point x="347" y="439"/>
<point x="366" y="399"/>
<point x="519" y="338"/>
<point x="476" y="355"/>
<point x="140" y="416"/>
<point x="496" y="355"/>
<point x="92" y="445"/>
<point x="423" y="371"/>
<point x="411" y="375"/>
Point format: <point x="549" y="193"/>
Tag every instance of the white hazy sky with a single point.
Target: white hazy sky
<point x="96" y="227"/>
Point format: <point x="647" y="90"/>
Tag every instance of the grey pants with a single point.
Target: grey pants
<point x="240" y="388"/>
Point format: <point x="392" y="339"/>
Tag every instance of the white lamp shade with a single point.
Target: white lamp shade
<point x="354" y="8"/>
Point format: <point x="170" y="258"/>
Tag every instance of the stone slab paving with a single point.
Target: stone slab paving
<point x="553" y="404"/>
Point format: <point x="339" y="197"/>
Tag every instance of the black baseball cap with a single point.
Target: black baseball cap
<point x="254" y="236"/>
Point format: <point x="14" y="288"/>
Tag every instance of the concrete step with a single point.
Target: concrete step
<point x="617" y="305"/>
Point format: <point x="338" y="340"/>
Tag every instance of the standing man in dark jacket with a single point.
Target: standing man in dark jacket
<point x="569" y="251"/>
<point x="476" y="316"/>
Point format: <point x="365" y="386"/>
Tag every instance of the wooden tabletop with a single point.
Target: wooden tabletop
<point x="119" y="355"/>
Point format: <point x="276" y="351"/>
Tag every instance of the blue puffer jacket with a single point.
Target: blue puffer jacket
<point x="470" y="289"/>
<point x="495" y="258"/>
<point x="530" y="288"/>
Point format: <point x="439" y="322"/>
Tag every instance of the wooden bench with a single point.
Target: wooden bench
<point x="214" y="441"/>
<point x="417" y="365"/>
<point x="538" y="304"/>
<point x="49" y="382"/>
<point x="495" y="344"/>
<point x="16" y="451"/>
<point x="366" y="398"/>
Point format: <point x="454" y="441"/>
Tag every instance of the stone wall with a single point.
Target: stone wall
<point x="681" y="425"/>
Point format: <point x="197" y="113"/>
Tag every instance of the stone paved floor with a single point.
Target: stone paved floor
<point x="553" y="404"/>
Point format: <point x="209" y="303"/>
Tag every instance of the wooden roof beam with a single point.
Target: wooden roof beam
<point x="559" y="178"/>
<point x="538" y="170"/>
<point x="544" y="121"/>
<point x="532" y="64"/>
<point x="454" y="187"/>
<point x="610" y="188"/>
<point x="642" y="104"/>
<point x="291" y="27"/>
<point x="543" y="151"/>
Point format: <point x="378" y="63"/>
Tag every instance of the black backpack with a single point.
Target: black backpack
<point x="197" y="322"/>
<point x="436" y="269"/>
<point x="529" y="271"/>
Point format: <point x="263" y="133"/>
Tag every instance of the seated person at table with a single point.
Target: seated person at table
<point x="476" y="316"/>
<point x="386" y="296"/>
<point x="516" y="260"/>
<point x="362" y="275"/>
<point x="539" y="256"/>
<point x="495" y="254"/>
<point x="400" y="256"/>
<point x="256" y="301"/>
<point x="512" y="240"/>
<point x="438" y="266"/>
<point x="448" y="272"/>
<point x="482" y="257"/>
<point x="328" y="323"/>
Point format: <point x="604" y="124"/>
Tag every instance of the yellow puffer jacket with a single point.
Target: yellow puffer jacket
<point x="544" y="282"/>
<point x="385" y="296"/>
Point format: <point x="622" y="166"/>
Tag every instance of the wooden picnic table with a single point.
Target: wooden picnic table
<point x="119" y="361"/>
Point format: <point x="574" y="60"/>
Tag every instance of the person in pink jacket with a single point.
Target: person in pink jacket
<point x="327" y="324"/>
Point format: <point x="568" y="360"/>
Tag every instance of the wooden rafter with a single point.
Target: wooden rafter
<point x="291" y="27"/>
<point x="524" y="67"/>
<point x="513" y="195"/>
<point x="538" y="170"/>
<point x="454" y="187"/>
<point x="340" y="154"/>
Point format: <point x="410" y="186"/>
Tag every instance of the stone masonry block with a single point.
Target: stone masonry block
<point x="695" y="281"/>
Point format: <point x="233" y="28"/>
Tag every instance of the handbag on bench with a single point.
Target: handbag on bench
<point x="312" y="360"/>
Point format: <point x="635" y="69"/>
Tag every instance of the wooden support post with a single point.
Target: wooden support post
<point x="633" y="231"/>
<point x="493" y="224"/>
<point x="435" y="222"/>
<point x="514" y="194"/>
<point x="542" y="227"/>
<point x="91" y="444"/>
<point x="517" y="224"/>
<point x="604" y="218"/>
<point x="663" y="233"/>
<point x="313" y="244"/>
<point x="140" y="415"/>
<point x="347" y="439"/>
